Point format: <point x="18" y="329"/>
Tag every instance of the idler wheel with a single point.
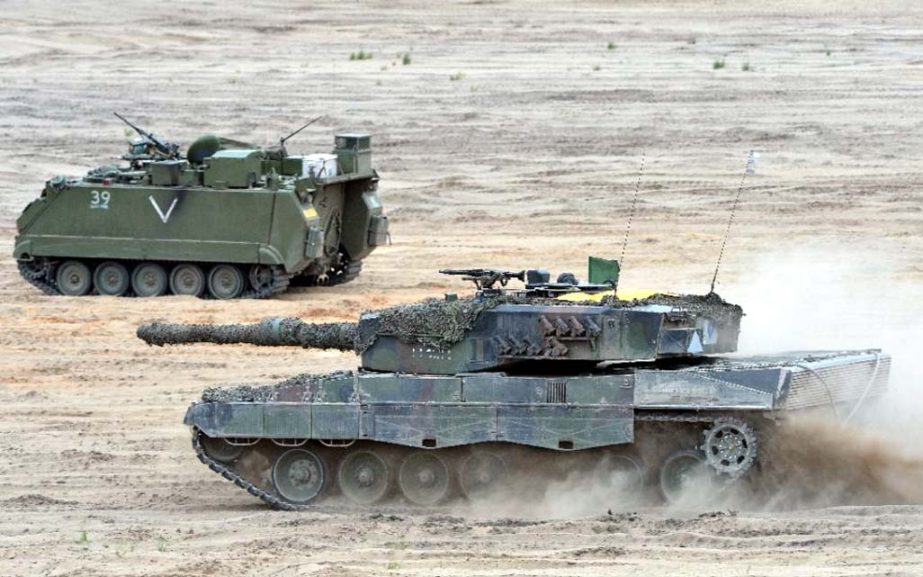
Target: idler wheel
<point x="187" y="279"/>
<point x="363" y="477"/>
<point x="481" y="472"/>
<point x="220" y="449"/>
<point x="298" y="476"/>
<point x="730" y="447"/>
<point x="149" y="279"/>
<point x="73" y="278"/>
<point x="681" y="471"/>
<point x="424" y="478"/>
<point x="225" y="282"/>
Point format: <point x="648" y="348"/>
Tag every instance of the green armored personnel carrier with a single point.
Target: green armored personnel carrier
<point x="458" y="396"/>
<point x="227" y="220"/>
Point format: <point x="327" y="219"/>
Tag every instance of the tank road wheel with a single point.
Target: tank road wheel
<point x="298" y="476"/>
<point x="225" y="282"/>
<point x="187" y="279"/>
<point x="730" y="447"/>
<point x="73" y="278"/>
<point x="626" y="471"/>
<point x="480" y="472"/>
<point x="220" y="449"/>
<point x="424" y="478"/>
<point x="680" y="471"/>
<point x="149" y="280"/>
<point x="363" y="477"/>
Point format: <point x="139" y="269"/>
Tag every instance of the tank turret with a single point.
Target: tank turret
<point x="500" y="329"/>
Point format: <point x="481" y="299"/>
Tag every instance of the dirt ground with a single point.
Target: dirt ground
<point x="512" y="138"/>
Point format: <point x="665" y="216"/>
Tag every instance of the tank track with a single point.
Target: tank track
<point x="279" y="503"/>
<point x="227" y="473"/>
<point x="44" y="281"/>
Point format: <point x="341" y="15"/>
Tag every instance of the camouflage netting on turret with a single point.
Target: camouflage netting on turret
<point x="710" y="305"/>
<point x="433" y="322"/>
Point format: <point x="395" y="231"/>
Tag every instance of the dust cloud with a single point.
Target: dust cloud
<point x="851" y="298"/>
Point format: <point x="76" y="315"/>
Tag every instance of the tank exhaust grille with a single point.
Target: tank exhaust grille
<point x="556" y="392"/>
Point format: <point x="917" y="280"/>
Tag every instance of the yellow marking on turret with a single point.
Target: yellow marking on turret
<point x="625" y="295"/>
<point x="310" y="212"/>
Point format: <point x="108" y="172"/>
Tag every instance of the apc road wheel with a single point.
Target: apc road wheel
<point x="111" y="279"/>
<point x="225" y="282"/>
<point x="73" y="278"/>
<point x="187" y="279"/>
<point x="220" y="449"/>
<point x="682" y="470"/>
<point x="149" y="279"/>
<point x="481" y="472"/>
<point x="363" y="477"/>
<point x="298" y="476"/>
<point x="424" y="478"/>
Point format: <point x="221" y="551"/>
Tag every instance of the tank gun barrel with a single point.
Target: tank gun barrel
<point x="271" y="332"/>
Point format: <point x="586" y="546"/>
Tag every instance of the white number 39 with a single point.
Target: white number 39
<point x="99" y="199"/>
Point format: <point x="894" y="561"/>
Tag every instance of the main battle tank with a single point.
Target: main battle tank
<point x="468" y="395"/>
<point x="228" y="219"/>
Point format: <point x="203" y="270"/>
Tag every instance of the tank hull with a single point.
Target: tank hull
<point x="599" y="416"/>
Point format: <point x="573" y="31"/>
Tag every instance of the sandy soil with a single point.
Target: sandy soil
<point x="513" y="138"/>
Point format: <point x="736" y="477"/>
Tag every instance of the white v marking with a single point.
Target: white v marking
<point x="160" y="213"/>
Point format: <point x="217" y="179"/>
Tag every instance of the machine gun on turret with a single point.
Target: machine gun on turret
<point x="163" y="148"/>
<point x="485" y="278"/>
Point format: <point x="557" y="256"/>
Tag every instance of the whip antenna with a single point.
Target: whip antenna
<point x="631" y="211"/>
<point x="751" y="160"/>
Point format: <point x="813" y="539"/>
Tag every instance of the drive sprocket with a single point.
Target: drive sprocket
<point x="730" y="446"/>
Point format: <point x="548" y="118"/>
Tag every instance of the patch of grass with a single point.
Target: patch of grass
<point x="83" y="539"/>
<point x="611" y="46"/>
<point x="827" y="52"/>
<point x="405" y="59"/>
<point x="162" y="546"/>
<point x="718" y="64"/>
<point x="746" y="67"/>
<point x="456" y="77"/>
<point x="361" y="55"/>
<point x="596" y="68"/>
<point x="393" y="566"/>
